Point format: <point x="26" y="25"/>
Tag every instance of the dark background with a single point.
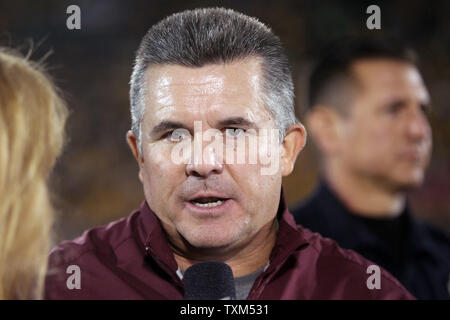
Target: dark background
<point x="96" y="179"/>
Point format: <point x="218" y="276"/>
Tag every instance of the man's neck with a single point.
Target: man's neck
<point x="363" y="196"/>
<point x="243" y="260"/>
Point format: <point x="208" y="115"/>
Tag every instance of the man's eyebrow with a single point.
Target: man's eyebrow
<point x="425" y="104"/>
<point x="166" y="125"/>
<point x="239" y="121"/>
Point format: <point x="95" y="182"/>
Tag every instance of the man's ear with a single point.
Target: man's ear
<point x="133" y="144"/>
<point x="323" y="124"/>
<point x="293" y="143"/>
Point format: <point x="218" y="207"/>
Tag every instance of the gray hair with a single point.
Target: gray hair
<point x="198" y="37"/>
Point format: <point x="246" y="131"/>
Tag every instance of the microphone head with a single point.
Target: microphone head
<point x="209" y="280"/>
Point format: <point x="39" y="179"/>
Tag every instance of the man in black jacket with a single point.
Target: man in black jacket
<point x="368" y="116"/>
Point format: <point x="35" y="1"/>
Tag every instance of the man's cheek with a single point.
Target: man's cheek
<point x="251" y="180"/>
<point x="157" y="154"/>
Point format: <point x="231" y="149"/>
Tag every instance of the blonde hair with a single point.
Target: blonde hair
<point x="32" y="119"/>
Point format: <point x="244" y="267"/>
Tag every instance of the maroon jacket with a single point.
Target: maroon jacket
<point x="131" y="259"/>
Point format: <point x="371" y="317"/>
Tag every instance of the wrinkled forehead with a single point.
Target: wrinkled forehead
<point x="232" y="88"/>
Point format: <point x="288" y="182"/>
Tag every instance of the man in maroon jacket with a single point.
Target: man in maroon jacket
<point x="202" y="75"/>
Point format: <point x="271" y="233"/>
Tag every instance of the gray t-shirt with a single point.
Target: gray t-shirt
<point x="244" y="284"/>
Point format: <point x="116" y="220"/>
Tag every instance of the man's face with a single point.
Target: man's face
<point x="210" y="204"/>
<point x="387" y="135"/>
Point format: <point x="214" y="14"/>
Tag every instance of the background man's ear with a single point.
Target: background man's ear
<point x="294" y="141"/>
<point x="323" y="125"/>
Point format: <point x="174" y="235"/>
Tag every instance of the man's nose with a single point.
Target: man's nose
<point x="209" y="162"/>
<point x="417" y="126"/>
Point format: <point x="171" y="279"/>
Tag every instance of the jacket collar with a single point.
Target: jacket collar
<point x="350" y="227"/>
<point x="289" y="238"/>
<point x="155" y="242"/>
<point x="156" y="246"/>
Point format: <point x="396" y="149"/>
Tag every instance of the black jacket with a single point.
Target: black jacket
<point x="417" y="254"/>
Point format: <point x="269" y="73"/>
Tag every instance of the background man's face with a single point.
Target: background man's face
<point x="387" y="135"/>
<point x="221" y="96"/>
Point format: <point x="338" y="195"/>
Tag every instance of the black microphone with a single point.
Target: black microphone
<point x="209" y="280"/>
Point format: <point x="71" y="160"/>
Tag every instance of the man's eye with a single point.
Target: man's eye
<point x="234" y="132"/>
<point x="393" y="109"/>
<point x="426" y="109"/>
<point x="177" y="135"/>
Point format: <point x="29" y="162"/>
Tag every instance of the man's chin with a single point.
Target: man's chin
<point x="409" y="183"/>
<point x="213" y="233"/>
<point x="208" y="242"/>
<point x="210" y="239"/>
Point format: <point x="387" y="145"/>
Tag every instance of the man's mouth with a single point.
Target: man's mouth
<point x="207" y="202"/>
